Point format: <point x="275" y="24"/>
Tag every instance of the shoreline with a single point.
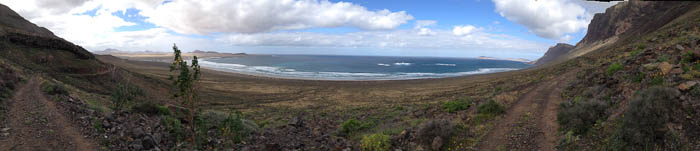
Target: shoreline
<point x="311" y="77"/>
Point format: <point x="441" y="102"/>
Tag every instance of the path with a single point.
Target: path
<point x="531" y="124"/>
<point x="36" y="124"/>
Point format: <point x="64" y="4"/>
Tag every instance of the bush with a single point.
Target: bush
<point x="151" y="109"/>
<point x="174" y="127"/>
<point x="55" y="89"/>
<point x="579" y="116"/>
<point x="353" y="125"/>
<point x="457" y="105"/>
<point x="642" y="124"/>
<point x="125" y="94"/>
<point x="231" y="127"/>
<point x="234" y="129"/>
<point x="376" y="142"/>
<point x="613" y="68"/>
<point x="490" y="108"/>
<point x="434" y="128"/>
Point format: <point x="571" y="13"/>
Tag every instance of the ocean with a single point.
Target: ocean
<point x="326" y="67"/>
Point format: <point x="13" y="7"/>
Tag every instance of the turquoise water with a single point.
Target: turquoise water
<point x="324" y="67"/>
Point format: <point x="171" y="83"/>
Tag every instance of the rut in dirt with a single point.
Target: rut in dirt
<point x="531" y="123"/>
<point x="35" y="123"/>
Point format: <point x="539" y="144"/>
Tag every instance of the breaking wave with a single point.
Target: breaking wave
<point x="294" y="74"/>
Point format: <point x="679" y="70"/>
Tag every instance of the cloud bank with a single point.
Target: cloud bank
<point x="225" y="25"/>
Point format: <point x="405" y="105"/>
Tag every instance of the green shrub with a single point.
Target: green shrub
<point x="613" y="68"/>
<point x="639" y="77"/>
<point x="663" y="58"/>
<point x="457" y="105"/>
<point x="434" y="128"/>
<point x="234" y="129"/>
<point x="641" y="46"/>
<point x="98" y="125"/>
<point x="151" y="109"/>
<point x="376" y="142"/>
<point x="124" y="94"/>
<point x="490" y="108"/>
<point x="656" y="81"/>
<point x="55" y="89"/>
<point x="174" y="127"/>
<point x="579" y="116"/>
<point x="353" y="125"/>
<point x="643" y="124"/>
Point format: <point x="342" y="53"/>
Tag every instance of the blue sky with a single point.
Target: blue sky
<point x="448" y="28"/>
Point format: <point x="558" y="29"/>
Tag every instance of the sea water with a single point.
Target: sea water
<point x="326" y="67"/>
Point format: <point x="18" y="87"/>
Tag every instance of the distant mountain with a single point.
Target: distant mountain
<point x="554" y="52"/>
<point x="507" y="59"/>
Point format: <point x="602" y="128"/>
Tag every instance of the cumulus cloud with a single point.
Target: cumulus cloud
<point x="464" y="30"/>
<point x="421" y="27"/>
<point x="254" y="16"/>
<point x="251" y="24"/>
<point x="546" y="18"/>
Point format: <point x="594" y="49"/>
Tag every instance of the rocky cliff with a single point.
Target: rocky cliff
<point x="554" y="52"/>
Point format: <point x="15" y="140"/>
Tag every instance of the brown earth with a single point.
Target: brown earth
<point x="531" y="123"/>
<point x="36" y="124"/>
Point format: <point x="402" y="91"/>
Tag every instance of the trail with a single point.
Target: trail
<point x="531" y="123"/>
<point x="36" y="123"/>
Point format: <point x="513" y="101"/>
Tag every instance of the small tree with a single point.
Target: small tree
<point x="185" y="83"/>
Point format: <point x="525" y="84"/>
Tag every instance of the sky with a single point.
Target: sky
<point x="437" y="28"/>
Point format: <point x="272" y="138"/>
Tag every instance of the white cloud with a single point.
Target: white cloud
<point x="260" y="23"/>
<point x="421" y="27"/>
<point x="546" y="18"/>
<point x="254" y="16"/>
<point x="565" y="39"/>
<point x="464" y="30"/>
<point x="442" y="39"/>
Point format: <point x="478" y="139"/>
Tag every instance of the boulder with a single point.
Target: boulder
<point x="650" y="66"/>
<point x="665" y="67"/>
<point x="437" y="143"/>
<point x="687" y="85"/>
<point x="296" y="122"/>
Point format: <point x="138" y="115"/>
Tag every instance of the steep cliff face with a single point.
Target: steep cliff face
<point x="632" y="18"/>
<point x="622" y="22"/>
<point x="554" y="53"/>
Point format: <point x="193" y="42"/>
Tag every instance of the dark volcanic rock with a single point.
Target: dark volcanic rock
<point x="554" y="53"/>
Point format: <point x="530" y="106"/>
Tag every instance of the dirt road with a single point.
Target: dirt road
<point x="36" y="124"/>
<point x="531" y="123"/>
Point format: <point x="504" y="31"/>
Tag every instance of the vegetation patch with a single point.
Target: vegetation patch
<point x="490" y="108"/>
<point x="457" y="105"/>
<point x="54" y="89"/>
<point x="613" y="68"/>
<point x="579" y="116"/>
<point x="151" y="108"/>
<point x="174" y="127"/>
<point x="643" y="124"/>
<point x="376" y="142"/>
<point x="352" y="125"/>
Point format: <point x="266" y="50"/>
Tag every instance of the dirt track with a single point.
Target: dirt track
<point x="36" y="124"/>
<point x="531" y="123"/>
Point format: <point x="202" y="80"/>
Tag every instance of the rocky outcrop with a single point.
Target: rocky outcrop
<point x="554" y="52"/>
<point x="633" y="18"/>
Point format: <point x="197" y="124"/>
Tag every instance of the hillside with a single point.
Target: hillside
<point x="554" y="52"/>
